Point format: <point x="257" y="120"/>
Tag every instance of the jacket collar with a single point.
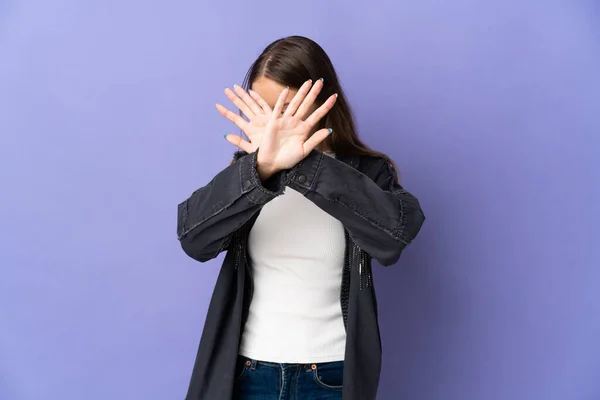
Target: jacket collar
<point x="350" y="160"/>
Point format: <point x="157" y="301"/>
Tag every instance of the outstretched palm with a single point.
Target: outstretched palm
<point x="252" y="106"/>
<point x="288" y="135"/>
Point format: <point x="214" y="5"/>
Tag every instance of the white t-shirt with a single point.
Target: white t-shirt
<point x="297" y="255"/>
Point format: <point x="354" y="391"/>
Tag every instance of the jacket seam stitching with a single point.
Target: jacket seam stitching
<point x="392" y="233"/>
<point x="185" y="232"/>
<point x="251" y="199"/>
<point x="396" y="189"/>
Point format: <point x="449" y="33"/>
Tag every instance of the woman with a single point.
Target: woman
<point x="301" y="211"/>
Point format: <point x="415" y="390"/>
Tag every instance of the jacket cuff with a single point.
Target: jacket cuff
<point x="251" y="184"/>
<point x="303" y="176"/>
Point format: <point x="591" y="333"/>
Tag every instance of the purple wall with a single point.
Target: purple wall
<point x="107" y="121"/>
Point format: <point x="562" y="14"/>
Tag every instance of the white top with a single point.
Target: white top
<point x="297" y="252"/>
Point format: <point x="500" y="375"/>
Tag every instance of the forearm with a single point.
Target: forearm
<point x="381" y="217"/>
<point x="208" y="218"/>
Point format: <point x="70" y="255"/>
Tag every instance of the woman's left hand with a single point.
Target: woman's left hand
<point x="255" y="108"/>
<point x="288" y="136"/>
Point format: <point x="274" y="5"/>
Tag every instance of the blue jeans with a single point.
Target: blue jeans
<point x="259" y="380"/>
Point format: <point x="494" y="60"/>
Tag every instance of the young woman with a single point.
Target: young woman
<point x="301" y="211"/>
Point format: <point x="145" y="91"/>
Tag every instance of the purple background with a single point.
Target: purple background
<point x="107" y="121"/>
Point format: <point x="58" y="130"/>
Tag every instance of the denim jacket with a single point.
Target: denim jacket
<point x="380" y="219"/>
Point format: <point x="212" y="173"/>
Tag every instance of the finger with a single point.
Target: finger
<point x="309" y="100"/>
<point x="239" y="103"/>
<point x="316" y="139"/>
<point x="233" y="117"/>
<point x="297" y="100"/>
<point x="280" y="101"/>
<point x="261" y="102"/>
<point x="239" y="142"/>
<point x="247" y="99"/>
<point x="320" y="112"/>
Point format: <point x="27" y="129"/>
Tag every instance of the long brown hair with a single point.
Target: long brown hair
<point x="293" y="60"/>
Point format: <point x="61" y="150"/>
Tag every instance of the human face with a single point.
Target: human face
<point x="270" y="90"/>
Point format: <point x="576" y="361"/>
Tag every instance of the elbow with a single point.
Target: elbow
<point x="191" y="243"/>
<point x="408" y="232"/>
<point x="391" y="254"/>
<point x="194" y="250"/>
<point x="413" y="221"/>
<point x="388" y="262"/>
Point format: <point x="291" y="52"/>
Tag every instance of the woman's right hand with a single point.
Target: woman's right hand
<point x="255" y="108"/>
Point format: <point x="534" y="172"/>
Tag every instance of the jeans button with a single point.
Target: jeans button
<point x="302" y="179"/>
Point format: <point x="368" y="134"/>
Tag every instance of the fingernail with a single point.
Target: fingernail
<point x="330" y="131"/>
<point x="322" y="80"/>
<point x="335" y="95"/>
<point x="225" y="136"/>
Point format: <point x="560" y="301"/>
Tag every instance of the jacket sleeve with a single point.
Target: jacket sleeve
<point x="207" y="220"/>
<point x="380" y="216"/>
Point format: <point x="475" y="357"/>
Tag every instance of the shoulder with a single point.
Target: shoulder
<point x="379" y="168"/>
<point x="373" y="166"/>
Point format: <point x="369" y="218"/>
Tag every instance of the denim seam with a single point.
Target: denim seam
<point x="281" y="382"/>
<point x="255" y="179"/>
<point x="399" y="190"/>
<point x="184" y="216"/>
<point x="393" y="233"/>
<point x="251" y="199"/>
<point x="201" y="221"/>
<point x="220" y="208"/>
<point x="321" y="383"/>
<point x="316" y="174"/>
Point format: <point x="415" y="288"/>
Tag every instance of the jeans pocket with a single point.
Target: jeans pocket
<point x="329" y="376"/>
<point x="241" y="368"/>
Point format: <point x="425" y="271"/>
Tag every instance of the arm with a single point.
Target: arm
<point x="381" y="217"/>
<point x="207" y="220"/>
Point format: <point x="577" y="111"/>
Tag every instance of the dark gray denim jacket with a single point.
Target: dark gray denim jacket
<point x="380" y="220"/>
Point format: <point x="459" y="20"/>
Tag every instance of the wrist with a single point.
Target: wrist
<point x="265" y="170"/>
